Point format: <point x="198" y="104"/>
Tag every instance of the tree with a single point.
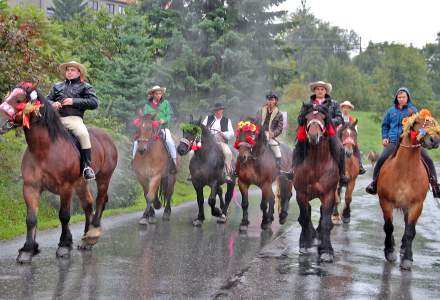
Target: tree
<point x="432" y="56"/>
<point x="67" y="9"/>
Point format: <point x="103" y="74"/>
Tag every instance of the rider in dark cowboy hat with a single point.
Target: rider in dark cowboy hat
<point x="321" y="96"/>
<point x="72" y="97"/>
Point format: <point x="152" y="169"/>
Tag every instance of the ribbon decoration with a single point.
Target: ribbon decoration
<point x="25" y="109"/>
<point x="246" y="126"/>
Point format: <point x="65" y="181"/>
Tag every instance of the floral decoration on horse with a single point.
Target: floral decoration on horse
<point x="193" y="128"/>
<point x="418" y="135"/>
<point x="247" y="126"/>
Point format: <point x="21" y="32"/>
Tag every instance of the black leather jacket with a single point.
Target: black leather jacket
<point x="82" y="93"/>
<point x="333" y="107"/>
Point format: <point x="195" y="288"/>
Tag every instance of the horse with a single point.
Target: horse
<point x="372" y="156"/>
<point x="150" y="164"/>
<point x="403" y="182"/>
<point x="206" y="169"/>
<point x="315" y="176"/>
<point x="347" y="134"/>
<point x="52" y="162"/>
<point x="256" y="165"/>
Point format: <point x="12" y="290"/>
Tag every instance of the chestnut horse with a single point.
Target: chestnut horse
<point x="316" y="176"/>
<point x="347" y="134"/>
<point x="403" y="182"/>
<point x="256" y="164"/>
<point x="52" y="162"/>
<point x="151" y="165"/>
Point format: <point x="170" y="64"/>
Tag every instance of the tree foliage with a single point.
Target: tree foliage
<point x="67" y="9"/>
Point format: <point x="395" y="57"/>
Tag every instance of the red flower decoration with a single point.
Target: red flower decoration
<point x="155" y="124"/>
<point x="413" y="135"/>
<point x="301" y="134"/>
<point x="330" y="131"/>
<point x="137" y="122"/>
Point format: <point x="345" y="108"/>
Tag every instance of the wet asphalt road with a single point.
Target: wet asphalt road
<point x="173" y="260"/>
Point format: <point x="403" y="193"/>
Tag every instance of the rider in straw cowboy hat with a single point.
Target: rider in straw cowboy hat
<point x="346" y="108"/>
<point x="72" y="97"/>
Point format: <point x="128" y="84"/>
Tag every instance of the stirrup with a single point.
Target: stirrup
<point x="88" y="173"/>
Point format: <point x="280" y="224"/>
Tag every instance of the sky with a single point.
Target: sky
<point x="415" y="22"/>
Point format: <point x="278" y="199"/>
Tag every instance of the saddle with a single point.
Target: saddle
<point x="74" y="140"/>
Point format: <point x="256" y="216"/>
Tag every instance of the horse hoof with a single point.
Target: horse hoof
<point x="157" y="204"/>
<point x="406" y="264"/>
<point x="346" y="220"/>
<point x="243" y="228"/>
<point x="152" y="220"/>
<point x="166" y="216"/>
<point x="303" y="250"/>
<point x="84" y="245"/>
<point x="197" y="223"/>
<point x="94" y="232"/>
<point x="222" y="219"/>
<point x="390" y="256"/>
<point x="326" y="257"/>
<point x="143" y="221"/>
<point x="336" y="220"/>
<point x="24" y="257"/>
<point x="265" y="226"/>
<point x="63" y="252"/>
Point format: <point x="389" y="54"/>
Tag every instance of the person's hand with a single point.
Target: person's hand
<point x="385" y="142"/>
<point x="56" y="105"/>
<point x="67" y="101"/>
<point x="161" y="122"/>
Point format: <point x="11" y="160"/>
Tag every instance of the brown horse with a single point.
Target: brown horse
<point x="403" y="182"/>
<point x="348" y="136"/>
<point x="372" y="156"/>
<point x="316" y="176"/>
<point x="256" y="164"/>
<point x="150" y="164"/>
<point x="52" y="162"/>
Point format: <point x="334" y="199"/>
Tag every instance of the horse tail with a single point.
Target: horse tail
<point x="278" y="206"/>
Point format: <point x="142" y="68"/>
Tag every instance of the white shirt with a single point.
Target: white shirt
<point x="215" y="128"/>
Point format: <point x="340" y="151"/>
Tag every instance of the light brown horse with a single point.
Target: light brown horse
<point x="52" y="162"/>
<point x="151" y="165"/>
<point x="403" y="182"/>
<point x="348" y="136"/>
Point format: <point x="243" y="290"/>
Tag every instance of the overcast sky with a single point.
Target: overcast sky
<point x="413" y="22"/>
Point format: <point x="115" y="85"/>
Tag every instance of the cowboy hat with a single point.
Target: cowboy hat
<point x="347" y="103"/>
<point x="80" y="67"/>
<point x="156" y="88"/>
<point x="324" y="84"/>
<point x="271" y="94"/>
<point x="218" y="106"/>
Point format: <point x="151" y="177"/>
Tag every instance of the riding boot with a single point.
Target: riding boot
<point x="278" y="163"/>
<point x="343" y="179"/>
<point x="387" y="152"/>
<point x="338" y="154"/>
<point x="432" y="173"/>
<point x="86" y="162"/>
<point x="372" y="188"/>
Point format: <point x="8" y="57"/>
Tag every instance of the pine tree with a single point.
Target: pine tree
<point x="66" y="9"/>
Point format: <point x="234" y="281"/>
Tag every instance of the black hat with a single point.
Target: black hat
<point x="271" y="94"/>
<point x="218" y="106"/>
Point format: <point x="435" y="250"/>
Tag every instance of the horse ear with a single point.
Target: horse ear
<point x="355" y="122"/>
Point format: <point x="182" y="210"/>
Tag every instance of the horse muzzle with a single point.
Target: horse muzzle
<point x="431" y="142"/>
<point x="183" y="149"/>
<point x="348" y="151"/>
<point x="315" y="138"/>
<point x="242" y="158"/>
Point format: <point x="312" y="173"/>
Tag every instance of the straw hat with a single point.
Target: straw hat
<point x="80" y="67"/>
<point x="156" y="88"/>
<point x="324" y="84"/>
<point x="347" y="103"/>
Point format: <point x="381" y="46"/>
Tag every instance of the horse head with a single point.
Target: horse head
<point x="16" y="109"/>
<point x="191" y="137"/>
<point x="348" y="136"/>
<point x="316" y="122"/>
<point x="148" y="132"/>
<point x="247" y="135"/>
<point x="423" y="129"/>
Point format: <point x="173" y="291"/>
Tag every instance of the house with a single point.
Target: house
<point x="112" y="6"/>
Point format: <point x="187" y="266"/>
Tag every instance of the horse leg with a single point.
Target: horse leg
<point x="336" y="217"/>
<point x="220" y="196"/>
<point x="86" y="199"/>
<point x="387" y="210"/>
<point x="223" y="208"/>
<point x="411" y="217"/>
<point x="244" y="205"/>
<point x="150" y="198"/>
<point x="167" y="211"/>
<point x="286" y="193"/>
<point x="325" y="248"/>
<point x="65" y="244"/>
<point x="267" y="206"/>
<point x="211" y="200"/>
<point x="348" y="197"/>
<point x="200" y="200"/>
<point x="307" y="235"/>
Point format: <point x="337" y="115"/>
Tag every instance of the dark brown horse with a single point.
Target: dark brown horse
<point x="256" y="164"/>
<point x="52" y="162"/>
<point x="403" y="182"/>
<point x="150" y="164"/>
<point x="316" y="176"/>
<point x="347" y="134"/>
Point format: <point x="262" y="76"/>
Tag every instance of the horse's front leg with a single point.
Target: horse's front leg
<point x="244" y="205"/>
<point x="285" y="187"/>
<point x="31" y="195"/>
<point x="411" y="217"/>
<point x="211" y="200"/>
<point x="325" y="248"/>
<point x="307" y="230"/>
<point x="387" y="210"/>
<point x="267" y="205"/>
<point x="348" y="197"/>
<point x="65" y="244"/>
<point x="336" y="217"/>
<point x="150" y="196"/>
<point x="200" y="200"/>
<point x="228" y="196"/>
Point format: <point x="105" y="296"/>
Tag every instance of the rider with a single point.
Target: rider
<point x="71" y="98"/>
<point x="321" y="96"/>
<point x="271" y="120"/>
<point x="391" y="130"/>
<point x="346" y="108"/>
<point x="221" y="128"/>
<point x="158" y="104"/>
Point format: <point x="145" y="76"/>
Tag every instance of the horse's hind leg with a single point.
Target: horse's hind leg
<point x="65" y="244"/>
<point x="200" y="200"/>
<point x="86" y="199"/>
<point x="411" y="217"/>
<point x="388" y="227"/>
<point x="244" y="205"/>
<point x="285" y="187"/>
<point x="267" y="206"/>
<point x="222" y="218"/>
<point x="211" y="201"/>
<point x="31" y="196"/>
<point x="348" y="198"/>
<point x="325" y="248"/>
<point x="336" y="217"/>
<point x="169" y="193"/>
<point x="228" y="197"/>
